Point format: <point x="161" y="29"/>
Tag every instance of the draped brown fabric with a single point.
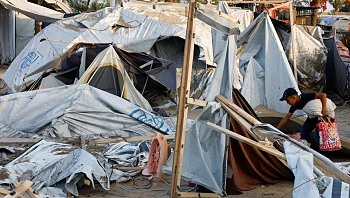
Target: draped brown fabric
<point x="251" y="167"/>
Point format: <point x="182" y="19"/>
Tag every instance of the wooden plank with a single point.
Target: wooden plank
<point x="130" y="168"/>
<point x="184" y="94"/>
<point x="292" y="32"/>
<point x="20" y="189"/>
<point x="4" y="192"/>
<point x="248" y="141"/>
<point x="29" y="193"/>
<point x="194" y="101"/>
<point x="345" y="142"/>
<point x="241" y="121"/>
<point x="284" y="4"/>
<point x="195" y="194"/>
<point x="218" y="20"/>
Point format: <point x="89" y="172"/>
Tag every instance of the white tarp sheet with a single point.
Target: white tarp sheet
<point x="25" y="30"/>
<point x="204" y="151"/>
<point x="132" y="29"/>
<point x="261" y="42"/>
<point x="50" y="163"/>
<point x="253" y="88"/>
<point x="7" y="35"/>
<point x="47" y="45"/>
<point x="32" y="10"/>
<point x="73" y="111"/>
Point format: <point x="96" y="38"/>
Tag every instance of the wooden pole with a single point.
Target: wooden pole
<point x="292" y="32"/>
<point x="184" y="94"/>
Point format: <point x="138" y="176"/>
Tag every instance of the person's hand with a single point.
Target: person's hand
<point x="324" y="112"/>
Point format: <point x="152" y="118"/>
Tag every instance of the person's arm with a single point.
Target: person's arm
<point x="284" y="121"/>
<point x="323" y="98"/>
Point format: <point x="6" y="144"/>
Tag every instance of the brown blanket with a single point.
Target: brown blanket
<point x="251" y="167"/>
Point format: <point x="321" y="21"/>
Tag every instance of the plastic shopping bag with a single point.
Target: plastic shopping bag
<point x="329" y="138"/>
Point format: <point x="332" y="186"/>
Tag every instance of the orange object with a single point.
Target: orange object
<point x="158" y="156"/>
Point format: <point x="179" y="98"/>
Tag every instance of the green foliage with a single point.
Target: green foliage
<point x="337" y="4"/>
<point x="86" y="6"/>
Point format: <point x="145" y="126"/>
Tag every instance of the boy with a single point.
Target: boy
<point x="298" y="102"/>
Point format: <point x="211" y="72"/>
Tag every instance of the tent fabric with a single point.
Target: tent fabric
<point x="261" y="42"/>
<point x="311" y="58"/>
<point x="25" y="31"/>
<point x="253" y="88"/>
<point x="107" y="72"/>
<point x="100" y="27"/>
<point x="251" y="167"/>
<point x="51" y="163"/>
<point x="34" y="11"/>
<point x="204" y="151"/>
<point x="47" y="45"/>
<point x="7" y="35"/>
<point x="73" y="111"/>
<point x="338" y="73"/>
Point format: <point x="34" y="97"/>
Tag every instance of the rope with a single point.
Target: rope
<point x="300" y="185"/>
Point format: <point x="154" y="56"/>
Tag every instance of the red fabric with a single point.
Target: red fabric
<point x="251" y="167"/>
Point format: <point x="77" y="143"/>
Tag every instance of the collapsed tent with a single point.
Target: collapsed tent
<point x="310" y="54"/>
<point x="338" y="70"/>
<point x="107" y="73"/>
<point x="150" y="75"/>
<point x="74" y="111"/>
<point x="103" y="26"/>
<point x="260" y="43"/>
<point x="47" y="45"/>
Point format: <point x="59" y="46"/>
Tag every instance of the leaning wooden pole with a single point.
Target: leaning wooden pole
<point x="184" y="94"/>
<point x="292" y="33"/>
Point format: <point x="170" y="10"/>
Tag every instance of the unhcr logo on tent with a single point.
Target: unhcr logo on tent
<point x="29" y="59"/>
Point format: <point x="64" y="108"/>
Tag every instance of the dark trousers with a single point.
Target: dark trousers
<point x="308" y="127"/>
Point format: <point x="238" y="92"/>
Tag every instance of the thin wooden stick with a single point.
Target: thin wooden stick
<point x="248" y="141"/>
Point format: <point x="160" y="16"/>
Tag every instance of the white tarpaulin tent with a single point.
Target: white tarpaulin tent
<point x="73" y="111"/>
<point x="7" y="35"/>
<point x="32" y="10"/>
<point x="129" y="30"/>
<point x="47" y="45"/>
<point x="261" y="42"/>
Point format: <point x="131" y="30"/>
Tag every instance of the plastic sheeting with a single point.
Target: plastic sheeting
<point x="311" y="57"/>
<point x="261" y="42"/>
<point x="109" y="58"/>
<point x="32" y="10"/>
<point x="47" y="45"/>
<point x="253" y="88"/>
<point x="25" y="30"/>
<point x="50" y="163"/>
<point x="338" y="73"/>
<point x="203" y="158"/>
<point x="7" y="35"/>
<point x="73" y="111"/>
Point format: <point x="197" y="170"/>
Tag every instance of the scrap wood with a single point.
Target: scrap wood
<point x="248" y="141"/>
<point x="4" y="192"/>
<point x="22" y="190"/>
<point x="320" y="161"/>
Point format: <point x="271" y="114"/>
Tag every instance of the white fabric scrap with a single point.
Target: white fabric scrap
<point x="300" y="162"/>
